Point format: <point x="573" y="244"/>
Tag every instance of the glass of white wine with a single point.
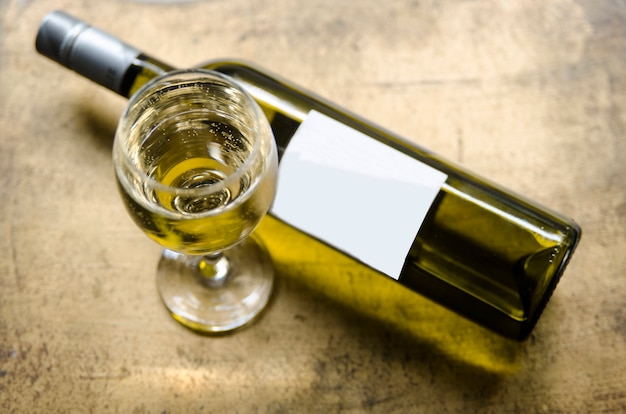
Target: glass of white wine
<point x="196" y="165"/>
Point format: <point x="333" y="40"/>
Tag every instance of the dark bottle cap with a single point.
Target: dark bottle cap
<point x="56" y="34"/>
<point x="89" y="51"/>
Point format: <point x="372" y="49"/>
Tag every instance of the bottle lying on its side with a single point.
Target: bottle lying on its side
<point x="438" y="229"/>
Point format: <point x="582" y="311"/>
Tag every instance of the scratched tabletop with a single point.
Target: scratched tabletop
<point x="531" y="94"/>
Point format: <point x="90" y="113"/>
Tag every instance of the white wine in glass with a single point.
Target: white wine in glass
<point x="196" y="166"/>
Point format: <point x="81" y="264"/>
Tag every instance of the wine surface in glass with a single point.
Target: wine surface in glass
<point x="197" y="153"/>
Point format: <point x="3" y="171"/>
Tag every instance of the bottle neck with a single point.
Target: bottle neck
<point x="141" y="70"/>
<point x="95" y="54"/>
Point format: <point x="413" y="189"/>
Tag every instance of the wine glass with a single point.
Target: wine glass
<point x="196" y="166"/>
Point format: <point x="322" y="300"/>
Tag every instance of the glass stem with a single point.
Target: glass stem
<point x="213" y="270"/>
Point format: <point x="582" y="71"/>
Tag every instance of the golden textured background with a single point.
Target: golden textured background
<point x="531" y="94"/>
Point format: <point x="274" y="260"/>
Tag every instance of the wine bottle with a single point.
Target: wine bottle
<point x="436" y="228"/>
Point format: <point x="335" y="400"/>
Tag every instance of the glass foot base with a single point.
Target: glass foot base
<point x="219" y="294"/>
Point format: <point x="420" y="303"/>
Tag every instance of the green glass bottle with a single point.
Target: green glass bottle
<point x="472" y="246"/>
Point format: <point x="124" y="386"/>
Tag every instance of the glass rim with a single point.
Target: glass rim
<point x="149" y="89"/>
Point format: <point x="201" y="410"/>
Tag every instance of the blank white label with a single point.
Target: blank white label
<point x="354" y="193"/>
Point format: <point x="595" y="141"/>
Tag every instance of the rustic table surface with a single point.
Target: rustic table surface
<point x="531" y="94"/>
